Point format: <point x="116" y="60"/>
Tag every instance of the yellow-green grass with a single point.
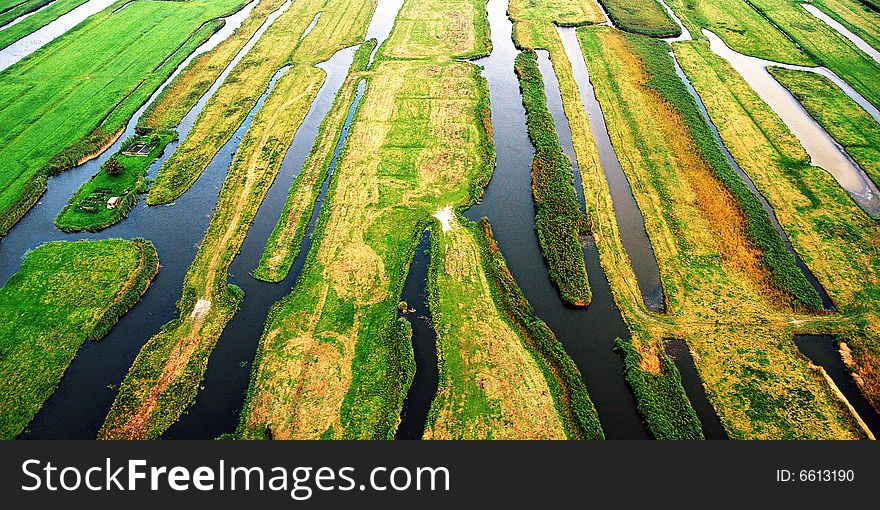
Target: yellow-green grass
<point x="835" y="238"/>
<point x="34" y="22"/>
<point x="646" y="17"/>
<point x="714" y="282"/>
<point x="331" y="360"/>
<point x="565" y="13"/>
<point x="741" y="27"/>
<point x="825" y="45"/>
<point x="283" y="245"/>
<point x="63" y="295"/>
<point x="164" y="378"/>
<point x="439" y="29"/>
<point x="847" y="122"/>
<point x="87" y="208"/>
<point x="490" y="386"/>
<point x="229" y="106"/>
<point x="182" y="94"/>
<point x="72" y="98"/>
<point x="854" y="15"/>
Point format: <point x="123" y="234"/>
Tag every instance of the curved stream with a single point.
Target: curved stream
<point x="587" y="334"/>
<point x="842" y="30"/>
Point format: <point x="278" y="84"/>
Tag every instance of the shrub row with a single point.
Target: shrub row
<point x="566" y="384"/>
<point x="558" y="219"/>
<point x="759" y="229"/>
<point x="660" y="398"/>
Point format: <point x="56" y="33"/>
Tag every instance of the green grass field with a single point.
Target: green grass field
<point x="86" y="85"/>
<point x="646" y="17"/>
<point x="32" y="23"/>
<point x="63" y="295"/>
<point x="87" y="209"/>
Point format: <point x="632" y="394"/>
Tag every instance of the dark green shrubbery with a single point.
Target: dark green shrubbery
<point x="660" y="398"/>
<point x="558" y="219"/>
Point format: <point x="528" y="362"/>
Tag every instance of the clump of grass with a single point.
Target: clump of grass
<point x="63" y="295"/>
<point x="660" y="397"/>
<point x="558" y="219"/>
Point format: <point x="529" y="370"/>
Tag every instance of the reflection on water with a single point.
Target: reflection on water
<point x="382" y="23"/>
<point x="39" y="38"/>
<point x="833" y="23"/>
<point x="823" y="150"/>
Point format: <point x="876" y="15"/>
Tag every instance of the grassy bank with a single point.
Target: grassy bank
<point x="63" y="295"/>
<point x="165" y="377"/>
<point x="88" y="209"/>
<point x="646" y="17"/>
<point x="742" y="28"/>
<point x="85" y="100"/>
<point x="847" y="122"/>
<point x="34" y="22"/>
<point x="660" y="397"/>
<point x="558" y="219"/>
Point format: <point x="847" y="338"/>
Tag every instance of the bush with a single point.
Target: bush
<point x="113" y="167"/>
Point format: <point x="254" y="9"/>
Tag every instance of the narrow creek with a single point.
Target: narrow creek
<point x="382" y="23"/>
<point x="587" y="334"/>
<point x="629" y="217"/>
<point x="217" y="406"/>
<point x="43" y="36"/>
<point x="424" y="343"/>
<point x="842" y="30"/>
<point x="822" y="351"/>
<point x="81" y="400"/>
<point x="693" y="388"/>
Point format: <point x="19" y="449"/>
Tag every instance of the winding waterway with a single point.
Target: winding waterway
<point x="587" y="334"/>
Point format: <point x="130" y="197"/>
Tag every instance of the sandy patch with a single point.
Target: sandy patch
<point x="446" y="218"/>
<point x="203" y="306"/>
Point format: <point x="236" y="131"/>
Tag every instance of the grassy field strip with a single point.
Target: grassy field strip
<point x="208" y="71"/>
<point x="713" y="284"/>
<point x="741" y="27"/>
<point x="831" y="234"/>
<point x="825" y="45"/>
<point x="332" y="359"/>
<point x="285" y="241"/>
<point x="63" y="295"/>
<point x="848" y="123"/>
<point x="646" y="17"/>
<point x="854" y="16"/>
<point x="15" y="14"/>
<point x="558" y="219"/>
<point x="490" y="386"/>
<point x="36" y="31"/>
<point x="86" y="95"/>
<point x="165" y="377"/>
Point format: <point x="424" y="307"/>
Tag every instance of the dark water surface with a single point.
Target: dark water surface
<point x="587" y="334"/>
<point x="424" y="342"/>
<point x="693" y="387"/>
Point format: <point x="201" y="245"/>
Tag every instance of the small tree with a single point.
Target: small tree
<point x="113" y="167"/>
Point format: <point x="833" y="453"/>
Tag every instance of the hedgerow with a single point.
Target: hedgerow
<point x="558" y="219"/>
